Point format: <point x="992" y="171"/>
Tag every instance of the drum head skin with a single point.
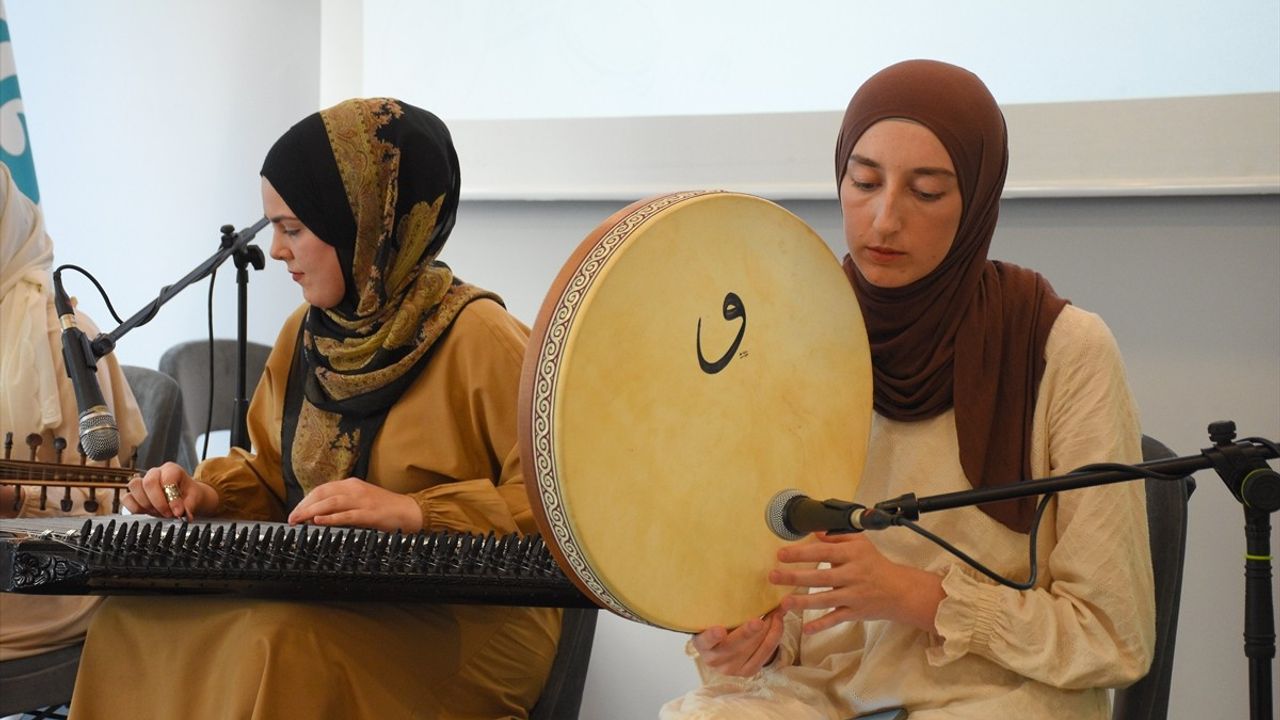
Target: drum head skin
<point x="698" y="353"/>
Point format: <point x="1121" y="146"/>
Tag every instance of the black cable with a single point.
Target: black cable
<point x="1121" y="467"/>
<point x="1035" y="529"/>
<point x="209" y="413"/>
<point x="1035" y="526"/>
<point x="102" y="292"/>
<point x="1265" y="443"/>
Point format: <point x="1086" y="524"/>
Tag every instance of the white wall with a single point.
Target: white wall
<point x="149" y="120"/>
<point x="576" y="100"/>
<point x="590" y="59"/>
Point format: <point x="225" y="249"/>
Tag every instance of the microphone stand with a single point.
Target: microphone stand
<point x="245" y="256"/>
<point x="233" y="245"/>
<point x="1242" y="467"/>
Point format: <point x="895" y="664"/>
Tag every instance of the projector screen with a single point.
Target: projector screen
<point x="576" y="99"/>
<point x="491" y="59"/>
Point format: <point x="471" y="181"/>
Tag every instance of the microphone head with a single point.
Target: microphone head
<point x="775" y="514"/>
<point x="98" y="434"/>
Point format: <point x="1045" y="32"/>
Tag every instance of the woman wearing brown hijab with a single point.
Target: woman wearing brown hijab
<point x="388" y="402"/>
<point x="983" y="376"/>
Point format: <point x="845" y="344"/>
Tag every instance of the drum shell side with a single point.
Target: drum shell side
<point x="528" y="376"/>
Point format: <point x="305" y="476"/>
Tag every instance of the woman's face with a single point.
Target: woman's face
<point x="312" y="262"/>
<point x="901" y="203"/>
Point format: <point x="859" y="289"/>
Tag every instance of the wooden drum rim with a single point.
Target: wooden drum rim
<point x="535" y="424"/>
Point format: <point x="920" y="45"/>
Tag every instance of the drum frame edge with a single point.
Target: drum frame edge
<point x="535" y="419"/>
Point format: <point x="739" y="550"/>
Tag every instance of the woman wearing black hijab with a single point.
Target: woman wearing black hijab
<point x="388" y="402"/>
<point x="982" y="377"/>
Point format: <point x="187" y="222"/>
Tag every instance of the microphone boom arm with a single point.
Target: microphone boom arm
<point x="911" y="507"/>
<point x="232" y="243"/>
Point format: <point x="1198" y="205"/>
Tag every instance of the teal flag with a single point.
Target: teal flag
<point x="15" y="148"/>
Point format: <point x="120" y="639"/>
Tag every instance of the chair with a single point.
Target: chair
<point x="188" y="364"/>
<point x="41" y="681"/>
<point x="562" y="694"/>
<point x="1148" y="698"/>
<point x="160" y="401"/>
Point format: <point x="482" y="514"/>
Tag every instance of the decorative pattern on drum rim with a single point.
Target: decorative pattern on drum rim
<point x="547" y="378"/>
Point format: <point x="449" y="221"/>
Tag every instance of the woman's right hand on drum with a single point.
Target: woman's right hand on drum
<point x="744" y="650"/>
<point x="168" y="491"/>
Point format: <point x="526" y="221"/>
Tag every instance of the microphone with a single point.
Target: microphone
<point x="98" y="434"/>
<point x="791" y="515"/>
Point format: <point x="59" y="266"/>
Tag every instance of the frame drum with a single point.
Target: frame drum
<point x="698" y="353"/>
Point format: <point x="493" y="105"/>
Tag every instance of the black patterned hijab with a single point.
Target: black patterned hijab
<point x="378" y="180"/>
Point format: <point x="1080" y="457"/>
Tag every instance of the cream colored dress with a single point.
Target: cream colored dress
<point x="31" y="625"/>
<point x="1049" y="652"/>
<point x="450" y="442"/>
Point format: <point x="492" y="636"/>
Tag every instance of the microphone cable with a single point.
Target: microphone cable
<point x="1263" y="442"/>
<point x="208" y="417"/>
<point x="155" y="308"/>
<point x="57" y="273"/>
<point x="1035" y="524"/>
<point x="1034" y="565"/>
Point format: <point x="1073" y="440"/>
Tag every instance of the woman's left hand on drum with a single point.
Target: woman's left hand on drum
<point x="744" y="650"/>
<point x="147" y="493"/>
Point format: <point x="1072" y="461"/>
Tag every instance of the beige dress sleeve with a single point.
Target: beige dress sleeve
<point x="31" y="625"/>
<point x="1093" y="625"/>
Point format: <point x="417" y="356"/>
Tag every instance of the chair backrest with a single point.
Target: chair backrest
<point x="39" y="683"/>
<point x="160" y="401"/>
<point x="1148" y="698"/>
<point x="188" y="364"/>
<point x="562" y="694"/>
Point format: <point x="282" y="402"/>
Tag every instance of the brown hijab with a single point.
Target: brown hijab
<point x="970" y="334"/>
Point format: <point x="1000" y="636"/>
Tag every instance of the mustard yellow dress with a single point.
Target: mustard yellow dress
<point x="450" y="443"/>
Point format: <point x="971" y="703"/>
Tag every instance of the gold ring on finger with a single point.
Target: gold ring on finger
<point x="171" y="492"/>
